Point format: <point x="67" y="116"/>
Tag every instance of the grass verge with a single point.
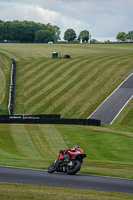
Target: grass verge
<point x="5" y="66"/>
<point x="33" y="192"/>
<point x="109" y="152"/>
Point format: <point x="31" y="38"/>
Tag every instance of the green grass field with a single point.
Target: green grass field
<point x="70" y="87"/>
<point x="73" y="88"/>
<point x="109" y="152"/>
<point x="28" y="192"/>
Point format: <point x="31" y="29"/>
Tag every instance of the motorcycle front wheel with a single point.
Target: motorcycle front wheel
<point x="71" y="170"/>
<point x="52" y="167"/>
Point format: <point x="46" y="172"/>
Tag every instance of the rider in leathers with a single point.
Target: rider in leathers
<point x="71" y="152"/>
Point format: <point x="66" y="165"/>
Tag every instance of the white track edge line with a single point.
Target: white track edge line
<point x="24" y="168"/>
<point x="121" y="109"/>
<point x="110" y="95"/>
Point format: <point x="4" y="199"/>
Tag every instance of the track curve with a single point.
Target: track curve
<point x="115" y="103"/>
<point x="79" y="181"/>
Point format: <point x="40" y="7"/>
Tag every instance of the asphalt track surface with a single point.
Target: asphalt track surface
<point x="114" y="104"/>
<point x="79" y="181"/>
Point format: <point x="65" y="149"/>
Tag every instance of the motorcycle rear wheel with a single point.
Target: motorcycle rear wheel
<point x="74" y="169"/>
<point x="52" y="167"/>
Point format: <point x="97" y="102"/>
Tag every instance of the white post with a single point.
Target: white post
<point x="89" y="36"/>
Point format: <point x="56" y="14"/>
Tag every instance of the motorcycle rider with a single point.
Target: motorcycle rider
<point x="71" y="152"/>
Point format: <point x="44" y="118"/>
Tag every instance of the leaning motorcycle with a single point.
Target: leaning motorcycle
<point x="71" y="167"/>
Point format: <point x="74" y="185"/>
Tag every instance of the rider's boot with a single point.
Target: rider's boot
<point x="67" y="157"/>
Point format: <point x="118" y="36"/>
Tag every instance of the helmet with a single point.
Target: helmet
<point x="76" y="146"/>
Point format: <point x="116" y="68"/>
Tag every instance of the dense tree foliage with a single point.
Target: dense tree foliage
<point x="26" y="31"/>
<point x="129" y="35"/>
<point x="29" y="31"/>
<point x="121" y="36"/>
<point x="84" y="35"/>
<point x="93" y="41"/>
<point x="43" y="36"/>
<point x="69" y="35"/>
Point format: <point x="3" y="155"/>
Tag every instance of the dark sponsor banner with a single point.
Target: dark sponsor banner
<point x="33" y="120"/>
<point x="43" y="116"/>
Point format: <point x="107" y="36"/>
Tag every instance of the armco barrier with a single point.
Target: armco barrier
<point x="46" y="119"/>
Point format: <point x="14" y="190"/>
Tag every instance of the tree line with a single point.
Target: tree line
<point x="122" y="36"/>
<point x="29" y="31"/>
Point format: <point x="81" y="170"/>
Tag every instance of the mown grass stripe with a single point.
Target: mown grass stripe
<point x="53" y="80"/>
<point x="74" y="85"/>
<point x="19" y="94"/>
<point x="29" y="94"/>
<point x="37" y="55"/>
<point x="24" y="144"/>
<point x="31" y="68"/>
<point x="110" y="79"/>
<point x="79" y="101"/>
<point x="46" y="75"/>
<point x="54" y="138"/>
<point x="5" y="70"/>
<point x="26" y="65"/>
<point x="84" y="87"/>
<point x="64" y="83"/>
<point x="125" y="115"/>
<point x="39" y="140"/>
<point x="67" y="83"/>
<point x="33" y="80"/>
<point x="52" y="84"/>
<point x="128" y="116"/>
<point x="45" y="78"/>
<point x="7" y="146"/>
<point x="56" y="67"/>
<point x="37" y="67"/>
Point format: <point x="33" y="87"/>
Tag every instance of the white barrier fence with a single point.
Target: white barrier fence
<point x="12" y="88"/>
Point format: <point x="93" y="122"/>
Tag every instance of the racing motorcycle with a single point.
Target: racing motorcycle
<point x="71" y="167"/>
